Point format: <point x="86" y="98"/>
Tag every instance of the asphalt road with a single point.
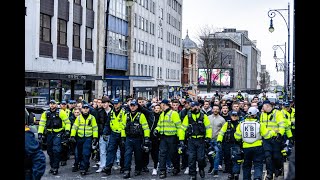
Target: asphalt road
<point x="65" y="173"/>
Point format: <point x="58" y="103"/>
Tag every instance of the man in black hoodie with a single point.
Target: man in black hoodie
<point x="155" y="141"/>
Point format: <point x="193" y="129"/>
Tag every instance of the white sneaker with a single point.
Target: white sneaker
<point x="154" y="172"/>
<point x="115" y="167"/>
<point x="220" y="168"/>
<point x="186" y="171"/>
<point x="197" y="169"/>
<point x="99" y="170"/>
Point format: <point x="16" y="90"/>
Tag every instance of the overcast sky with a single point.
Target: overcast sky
<point x="250" y="15"/>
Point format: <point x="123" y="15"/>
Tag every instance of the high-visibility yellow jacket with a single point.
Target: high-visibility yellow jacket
<point x="142" y="121"/>
<point x="185" y="124"/>
<point x="85" y="127"/>
<point x="223" y="130"/>
<point x="250" y="132"/>
<point x="169" y="123"/>
<point x="273" y="121"/>
<point x="291" y="117"/>
<point x="287" y="123"/>
<point x="116" y="124"/>
<point x="61" y="121"/>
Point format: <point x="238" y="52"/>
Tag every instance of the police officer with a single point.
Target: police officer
<point x="167" y="129"/>
<point x="240" y="96"/>
<point x="34" y="159"/>
<point x="57" y="123"/>
<point x="114" y="140"/>
<point x="230" y="145"/>
<point x="65" y="144"/>
<point x="85" y="133"/>
<point x="184" y="155"/>
<point x="196" y="126"/>
<point x="290" y="115"/>
<point x="135" y="133"/>
<point x="274" y="120"/>
<point x="250" y="132"/>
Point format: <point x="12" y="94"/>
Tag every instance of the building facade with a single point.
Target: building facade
<point x="189" y="70"/>
<point x="61" y="49"/>
<point x="155" y="60"/>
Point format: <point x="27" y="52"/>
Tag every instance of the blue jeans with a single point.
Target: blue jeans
<point x="214" y="162"/>
<point x="253" y="155"/>
<point x="103" y="145"/>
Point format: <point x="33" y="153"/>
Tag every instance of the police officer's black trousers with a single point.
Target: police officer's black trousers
<point x="196" y="151"/>
<point x="145" y="158"/>
<point x="227" y="156"/>
<point x="54" y="148"/>
<point x="65" y="152"/>
<point x="273" y="155"/>
<point x="168" y="147"/>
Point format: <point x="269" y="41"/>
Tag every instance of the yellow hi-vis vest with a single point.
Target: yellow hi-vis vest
<point x="274" y="121"/>
<point x="169" y="124"/>
<point x="85" y="127"/>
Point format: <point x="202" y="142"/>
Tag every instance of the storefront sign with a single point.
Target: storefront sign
<point x="145" y="89"/>
<point x="74" y="76"/>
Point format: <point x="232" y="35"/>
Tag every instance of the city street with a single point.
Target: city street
<point x="65" y="173"/>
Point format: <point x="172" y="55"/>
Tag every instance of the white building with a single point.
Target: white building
<point x="61" y="48"/>
<point x="155" y="65"/>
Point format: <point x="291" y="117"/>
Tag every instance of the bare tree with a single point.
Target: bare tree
<point x="265" y="80"/>
<point x="210" y="55"/>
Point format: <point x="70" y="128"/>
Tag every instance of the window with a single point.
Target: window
<point x="135" y="45"/>
<point x="77" y="2"/>
<point x="62" y="32"/>
<point x="134" y="69"/>
<point x="145" y="70"/>
<point x="45" y="28"/>
<point x="89" y="38"/>
<point x="76" y="35"/>
<point x="90" y="4"/>
<point x="138" y="70"/>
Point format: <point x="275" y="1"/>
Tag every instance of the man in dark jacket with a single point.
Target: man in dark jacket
<point x="35" y="159"/>
<point x="155" y="141"/>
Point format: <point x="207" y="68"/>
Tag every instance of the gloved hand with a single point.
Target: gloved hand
<point x="105" y="137"/>
<point x="181" y="143"/>
<point x="123" y="142"/>
<point x="291" y="141"/>
<point x="155" y="132"/>
<point x="94" y="141"/>
<point x="72" y="139"/>
<point x="278" y="138"/>
<point x="181" y="147"/>
<point x="40" y="137"/>
<point x="146" y="141"/>
<point x="219" y="144"/>
<point x="207" y="140"/>
<point x="66" y="134"/>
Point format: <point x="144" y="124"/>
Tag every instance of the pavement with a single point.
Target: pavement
<point x="65" y="173"/>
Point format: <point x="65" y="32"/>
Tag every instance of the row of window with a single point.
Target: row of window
<point x="143" y="47"/>
<point x="89" y="3"/>
<point x="175" y="5"/>
<point x="117" y="43"/>
<point x="45" y="32"/>
<point x="148" y="4"/>
<point x="172" y="74"/>
<point x="173" y="39"/>
<point x="173" y="22"/>
<point x="117" y="8"/>
<point x="172" y="56"/>
<point x="142" y="70"/>
<point x="143" y="24"/>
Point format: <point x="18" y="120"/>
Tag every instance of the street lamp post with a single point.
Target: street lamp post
<point x="285" y="69"/>
<point x="271" y="14"/>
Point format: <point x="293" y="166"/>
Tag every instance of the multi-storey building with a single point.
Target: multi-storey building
<point x="61" y="48"/>
<point x="155" y="64"/>
<point x="189" y="70"/>
<point x="116" y="83"/>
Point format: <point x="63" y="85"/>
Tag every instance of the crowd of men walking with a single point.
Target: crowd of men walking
<point x="180" y="134"/>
